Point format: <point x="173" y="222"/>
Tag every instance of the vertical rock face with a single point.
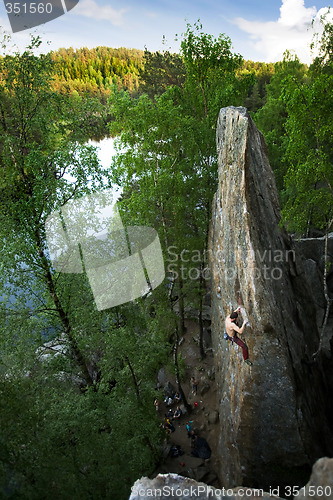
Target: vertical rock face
<point x="272" y="414"/>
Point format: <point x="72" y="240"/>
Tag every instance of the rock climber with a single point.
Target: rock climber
<point x="231" y="330"/>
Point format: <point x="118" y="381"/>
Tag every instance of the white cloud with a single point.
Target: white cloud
<point x="89" y="8"/>
<point x="292" y="31"/>
<point x="293" y="13"/>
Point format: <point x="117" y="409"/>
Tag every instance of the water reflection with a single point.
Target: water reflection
<point x="105" y="149"/>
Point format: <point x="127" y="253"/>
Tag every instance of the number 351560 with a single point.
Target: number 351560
<point x="28" y="8"/>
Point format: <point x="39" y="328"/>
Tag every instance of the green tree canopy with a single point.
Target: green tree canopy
<point x="271" y="118"/>
<point x="169" y="167"/>
<point x="309" y="179"/>
<point x="161" y="70"/>
<point x="67" y="407"/>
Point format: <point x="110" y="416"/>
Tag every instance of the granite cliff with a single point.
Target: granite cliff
<point x="274" y="415"/>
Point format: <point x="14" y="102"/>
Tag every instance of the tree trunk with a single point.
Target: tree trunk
<point x="62" y="314"/>
<point x="135" y="382"/>
<point x="201" y="327"/>
<point x="179" y="386"/>
<point x="202" y="288"/>
<point x="181" y="300"/>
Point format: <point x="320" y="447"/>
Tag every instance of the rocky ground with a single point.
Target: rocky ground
<point x="204" y="415"/>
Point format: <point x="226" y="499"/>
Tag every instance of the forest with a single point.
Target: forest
<point x="77" y="384"/>
<point x="95" y="72"/>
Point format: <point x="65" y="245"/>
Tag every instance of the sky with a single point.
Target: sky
<point x="260" y="30"/>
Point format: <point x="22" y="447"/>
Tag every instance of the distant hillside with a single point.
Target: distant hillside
<point x="94" y="71"/>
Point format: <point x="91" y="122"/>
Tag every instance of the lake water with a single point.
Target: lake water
<point x="105" y="151"/>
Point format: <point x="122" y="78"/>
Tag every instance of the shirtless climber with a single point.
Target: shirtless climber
<point x="231" y="329"/>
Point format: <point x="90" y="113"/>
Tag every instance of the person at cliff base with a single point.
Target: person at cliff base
<point x="169" y="414"/>
<point x="178" y="413"/>
<point x="231" y="331"/>
<point x="189" y="427"/>
<point x="168" y="426"/>
<point x="194" y="384"/>
<point x="177" y="397"/>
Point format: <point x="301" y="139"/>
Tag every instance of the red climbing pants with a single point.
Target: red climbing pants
<point x="241" y="344"/>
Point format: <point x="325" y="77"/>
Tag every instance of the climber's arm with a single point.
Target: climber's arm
<point x="237" y="329"/>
